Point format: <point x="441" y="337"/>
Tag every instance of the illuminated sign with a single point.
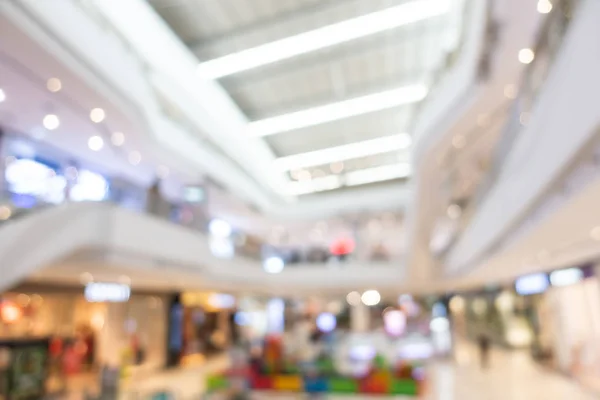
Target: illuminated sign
<point x="565" y="277"/>
<point x="532" y="284"/>
<point x="221" y="300"/>
<point x="194" y="194"/>
<point x="107" y="292"/>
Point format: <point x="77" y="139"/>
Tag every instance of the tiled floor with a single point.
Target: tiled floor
<point x="512" y="376"/>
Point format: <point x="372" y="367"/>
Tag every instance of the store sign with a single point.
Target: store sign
<point x="565" y="277"/>
<point x="107" y="292"/>
<point x="532" y="284"/>
<point x="194" y="194"/>
<point x="221" y="300"/>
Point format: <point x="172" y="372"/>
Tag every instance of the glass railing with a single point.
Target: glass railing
<point x="15" y="205"/>
<point x="550" y="39"/>
<point x="516" y="112"/>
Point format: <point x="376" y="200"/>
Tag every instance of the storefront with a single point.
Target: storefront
<point x="105" y="325"/>
<point x="502" y="315"/>
<point x="572" y="323"/>
<point x="202" y="324"/>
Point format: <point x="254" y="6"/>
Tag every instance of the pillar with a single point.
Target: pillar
<point x="360" y="318"/>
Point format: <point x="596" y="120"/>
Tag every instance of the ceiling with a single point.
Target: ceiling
<point x="280" y="98"/>
<point x="375" y="146"/>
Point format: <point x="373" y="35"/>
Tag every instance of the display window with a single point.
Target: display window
<point x="207" y="325"/>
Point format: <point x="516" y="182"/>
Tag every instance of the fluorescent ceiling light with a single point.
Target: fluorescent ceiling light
<point x="378" y="174"/>
<point x="355" y="178"/>
<point x="321" y="38"/>
<point x="345" y="152"/>
<point x="335" y="111"/>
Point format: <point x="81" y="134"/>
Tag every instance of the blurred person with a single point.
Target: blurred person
<point x="484" y="344"/>
<point x="256" y="362"/>
<point x="302" y="340"/>
<point x="156" y="204"/>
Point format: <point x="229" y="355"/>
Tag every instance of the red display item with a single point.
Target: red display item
<point x="262" y="383"/>
<point x="72" y="361"/>
<point x="56" y="347"/>
<point x="403" y="371"/>
<point x="342" y="247"/>
<point x="374" y="386"/>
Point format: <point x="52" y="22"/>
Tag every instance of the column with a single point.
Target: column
<point x="360" y="318"/>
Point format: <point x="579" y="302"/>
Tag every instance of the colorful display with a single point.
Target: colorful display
<point x="273" y="372"/>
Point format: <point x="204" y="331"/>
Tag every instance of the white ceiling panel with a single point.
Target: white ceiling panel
<point x="370" y="126"/>
<point x="405" y="55"/>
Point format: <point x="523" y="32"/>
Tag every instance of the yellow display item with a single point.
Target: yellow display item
<point x="288" y="383"/>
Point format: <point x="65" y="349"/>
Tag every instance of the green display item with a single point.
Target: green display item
<point x="379" y="362"/>
<point x="404" y="387"/>
<point x="326" y="366"/>
<point x="217" y="383"/>
<point x="342" y="385"/>
<point x="291" y="370"/>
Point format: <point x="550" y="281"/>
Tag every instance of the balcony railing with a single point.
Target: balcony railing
<point x="550" y="39"/>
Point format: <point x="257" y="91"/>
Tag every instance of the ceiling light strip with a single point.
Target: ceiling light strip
<point x="324" y="37"/>
<point x="345" y="152"/>
<point x="378" y="174"/>
<point x="355" y="178"/>
<point x="340" y="110"/>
